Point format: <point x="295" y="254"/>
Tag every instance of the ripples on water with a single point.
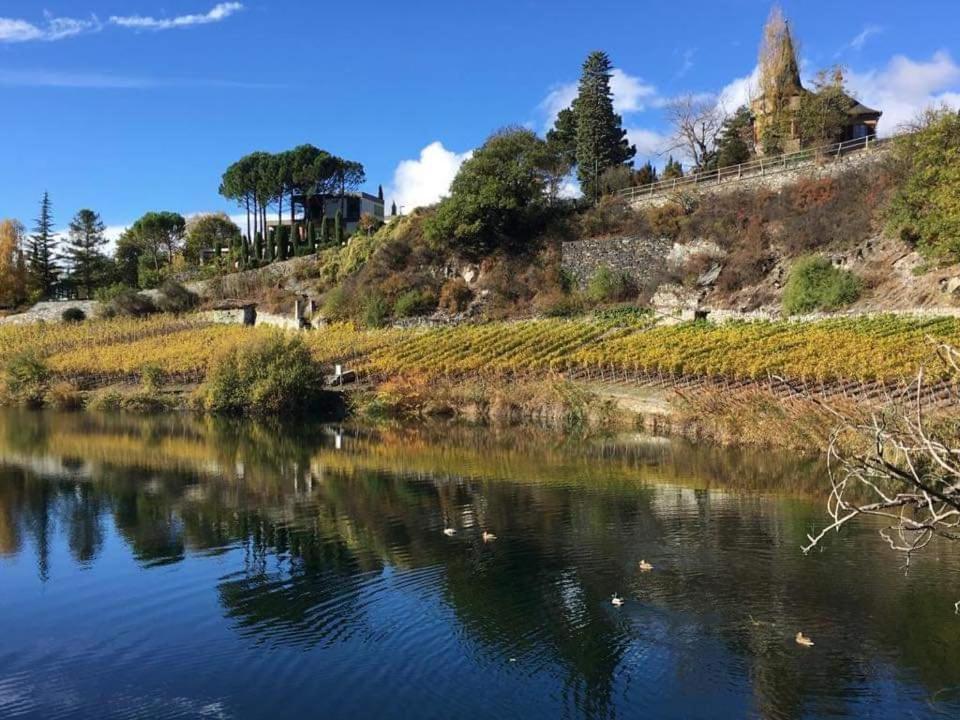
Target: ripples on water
<point x="174" y="568"/>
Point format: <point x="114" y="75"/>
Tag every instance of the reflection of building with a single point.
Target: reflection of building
<point x="353" y="204"/>
<point x="861" y="120"/>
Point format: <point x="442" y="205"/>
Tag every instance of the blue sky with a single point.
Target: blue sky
<point x="126" y="106"/>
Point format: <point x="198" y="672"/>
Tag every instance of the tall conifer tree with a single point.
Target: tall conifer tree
<point x="84" y="250"/>
<point x="43" y="243"/>
<point x="601" y="140"/>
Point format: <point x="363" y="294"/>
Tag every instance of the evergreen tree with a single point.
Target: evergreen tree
<point x="646" y="175"/>
<point x="733" y="145"/>
<point x="338" y="227"/>
<point x="84" y="250"/>
<point x="322" y="242"/>
<point x="393" y="208"/>
<point x="562" y="139"/>
<point x="673" y="169"/>
<point x="43" y="243"/>
<point x="380" y="193"/>
<point x="601" y="140"/>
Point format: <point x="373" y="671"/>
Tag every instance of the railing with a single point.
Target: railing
<point x="760" y="167"/>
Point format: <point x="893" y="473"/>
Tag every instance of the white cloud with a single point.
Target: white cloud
<point x="650" y="143"/>
<point x="421" y="182"/>
<point x="13" y="30"/>
<point x="630" y="95"/>
<point x="739" y="91"/>
<point x="905" y="87"/>
<point x="221" y="11"/>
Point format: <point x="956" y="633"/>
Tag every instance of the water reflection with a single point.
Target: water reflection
<point x="271" y="553"/>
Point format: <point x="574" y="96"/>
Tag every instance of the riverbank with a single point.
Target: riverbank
<point x="749" y="383"/>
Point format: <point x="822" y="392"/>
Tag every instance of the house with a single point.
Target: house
<point x="861" y="120"/>
<point x="354" y="205"/>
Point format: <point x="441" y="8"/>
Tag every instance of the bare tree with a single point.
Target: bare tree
<point x="898" y="464"/>
<point x="696" y="123"/>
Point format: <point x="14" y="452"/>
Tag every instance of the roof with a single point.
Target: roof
<point x="857" y="108"/>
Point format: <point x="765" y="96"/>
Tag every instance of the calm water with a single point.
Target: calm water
<point x="176" y="568"/>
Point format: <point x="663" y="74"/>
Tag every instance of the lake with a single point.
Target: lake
<point x="180" y="568"/>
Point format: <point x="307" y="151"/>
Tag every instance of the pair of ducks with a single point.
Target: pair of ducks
<point x="644" y="566"/>
<point x="487" y="536"/>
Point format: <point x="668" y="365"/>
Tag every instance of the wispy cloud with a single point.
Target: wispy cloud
<point x="14" y="30"/>
<point x="220" y="12"/>
<point x="687" y="65"/>
<point x="861" y="38"/>
<point x="109" y="81"/>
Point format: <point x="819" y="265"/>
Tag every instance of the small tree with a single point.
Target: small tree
<point x="646" y="174"/>
<point x="822" y="115"/>
<point x="734" y="142"/>
<point x="338" y="227"/>
<point x="208" y="232"/>
<point x="672" y="170"/>
<point x="696" y="126"/>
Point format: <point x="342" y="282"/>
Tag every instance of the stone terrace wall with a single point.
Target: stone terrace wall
<point x="642" y="258"/>
<point x="772" y="179"/>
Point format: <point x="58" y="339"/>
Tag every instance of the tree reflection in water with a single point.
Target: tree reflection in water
<point x="315" y="536"/>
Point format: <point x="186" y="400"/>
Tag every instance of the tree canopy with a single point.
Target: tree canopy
<point x="499" y="195"/>
<point x="83" y="251"/>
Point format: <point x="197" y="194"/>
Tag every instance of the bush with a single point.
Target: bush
<point x="414" y="302"/>
<point x="64" y="396"/>
<point x="175" y="298"/>
<point x="271" y="376"/>
<point x="129" y="303"/>
<point x="73" y="315"/>
<point x="336" y="304"/>
<point x="455" y="296"/>
<point x="608" y="285"/>
<point x="375" y="310"/>
<point x="109" y="292"/>
<point x="815" y="284"/>
<point x="25" y="380"/>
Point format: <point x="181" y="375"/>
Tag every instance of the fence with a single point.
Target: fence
<point x="760" y="167"/>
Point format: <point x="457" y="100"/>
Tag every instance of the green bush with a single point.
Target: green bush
<point x="109" y="292"/>
<point x="73" y="315"/>
<point x="414" y="302"/>
<point x="376" y="310"/>
<point x="336" y="304"/>
<point x="129" y="303"/>
<point x="175" y="298"/>
<point x="25" y="380"/>
<point x="268" y="377"/>
<point x="608" y="285"/>
<point x="815" y="284"/>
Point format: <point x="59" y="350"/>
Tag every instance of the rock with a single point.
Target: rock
<point x="710" y="276"/>
<point x="951" y="286"/>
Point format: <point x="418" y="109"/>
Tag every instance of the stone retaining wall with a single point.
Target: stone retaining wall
<point x="644" y="259"/>
<point x="772" y="178"/>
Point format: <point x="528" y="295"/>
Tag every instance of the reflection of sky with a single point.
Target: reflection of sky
<point x="436" y="637"/>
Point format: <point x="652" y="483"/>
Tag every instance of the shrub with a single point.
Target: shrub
<point x="336" y="304"/>
<point x="73" y="315"/>
<point x="610" y="216"/>
<point x="175" y="298"/>
<point x="106" y="401"/>
<point x="608" y="285"/>
<point x="109" y="292"/>
<point x="926" y="207"/>
<point x="25" y="380"/>
<point x="559" y="304"/>
<point x="375" y="310"/>
<point x="414" y="302"/>
<point x="271" y="376"/>
<point x="64" y="396"/>
<point x="455" y="296"/>
<point x="129" y="303"/>
<point x="815" y="284"/>
<point x="151" y="377"/>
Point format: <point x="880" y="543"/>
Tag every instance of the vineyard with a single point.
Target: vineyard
<point x="879" y="349"/>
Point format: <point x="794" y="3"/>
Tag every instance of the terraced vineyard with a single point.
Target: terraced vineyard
<point x="879" y="349"/>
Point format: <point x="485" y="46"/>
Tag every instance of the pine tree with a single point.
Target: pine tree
<point x="733" y="145"/>
<point x="601" y="140"/>
<point x="42" y="253"/>
<point x="84" y="250"/>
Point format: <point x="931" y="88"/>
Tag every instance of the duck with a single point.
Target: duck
<point x="488" y="536"/>
<point x="645" y="566"/>
<point x="616" y="600"/>
<point x="803" y="640"/>
<point x="449" y="532"/>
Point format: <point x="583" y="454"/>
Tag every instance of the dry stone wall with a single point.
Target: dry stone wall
<point x="644" y="259"/>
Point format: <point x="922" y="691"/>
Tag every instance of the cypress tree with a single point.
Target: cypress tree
<point x="601" y="140"/>
<point x="42" y="264"/>
<point x="281" y="237"/>
<point x="338" y="227"/>
<point x="323" y="233"/>
<point x="258" y="248"/>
